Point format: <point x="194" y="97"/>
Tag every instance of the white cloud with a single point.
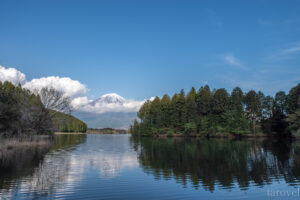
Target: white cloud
<point x="291" y="50"/>
<point x="79" y="102"/>
<point x="108" y="161"/>
<point x="12" y="75"/>
<point x="233" y="61"/>
<point x="71" y="88"/>
<point x="75" y="90"/>
<point x="286" y="53"/>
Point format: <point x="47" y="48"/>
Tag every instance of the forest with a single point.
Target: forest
<point x="24" y="112"/>
<point x="67" y="123"/>
<point x="215" y="112"/>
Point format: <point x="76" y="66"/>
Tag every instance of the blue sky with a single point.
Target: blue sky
<point x="141" y="48"/>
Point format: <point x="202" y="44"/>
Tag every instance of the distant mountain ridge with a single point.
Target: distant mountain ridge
<point x="110" y="110"/>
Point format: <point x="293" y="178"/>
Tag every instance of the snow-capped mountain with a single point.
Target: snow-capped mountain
<point x="111" y="103"/>
<point x="111" y="98"/>
<point x="110" y="110"/>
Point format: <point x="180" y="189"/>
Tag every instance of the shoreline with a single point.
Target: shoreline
<point x="231" y="136"/>
<point x="86" y="133"/>
<point x="70" y="133"/>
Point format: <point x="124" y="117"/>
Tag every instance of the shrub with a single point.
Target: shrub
<point x="190" y="127"/>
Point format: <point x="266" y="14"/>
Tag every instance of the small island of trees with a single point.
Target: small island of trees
<point x="215" y="112"/>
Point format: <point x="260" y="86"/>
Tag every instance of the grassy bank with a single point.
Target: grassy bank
<point x="19" y="149"/>
<point x="25" y="142"/>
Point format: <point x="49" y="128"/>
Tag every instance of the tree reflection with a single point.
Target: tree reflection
<point x="28" y="167"/>
<point x="220" y="162"/>
<point x="19" y="157"/>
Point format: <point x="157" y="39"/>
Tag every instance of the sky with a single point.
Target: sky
<point x="141" y="48"/>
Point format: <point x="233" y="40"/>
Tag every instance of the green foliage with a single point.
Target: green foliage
<point x="190" y="127"/>
<point x="170" y="132"/>
<point x="293" y="110"/>
<point x="236" y="101"/>
<point x="294" y="123"/>
<point x="220" y="101"/>
<point x="22" y="112"/>
<point x="191" y="106"/>
<point x="67" y="123"/>
<point x="218" y="113"/>
<point x="203" y="101"/>
<point x="253" y="110"/>
<point x="293" y="99"/>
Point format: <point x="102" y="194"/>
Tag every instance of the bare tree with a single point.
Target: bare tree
<point x="55" y="100"/>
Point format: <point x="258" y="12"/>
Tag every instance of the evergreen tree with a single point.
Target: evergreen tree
<point x="253" y="109"/>
<point x="191" y="106"/>
<point x="217" y="112"/>
<point x="236" y="100"/>
<point x="174" y="114"/>
<point x="293" y="99"/>
<point x="21" y="112"/>
<point x="279" y="124"/>
<point x="203" y="100"/>
<point x="236" y="121"/>
<point x="181" y="108"/>
<point x="165" y="107"/>
<point x="220" y="101"/>
<point x="293" y="110"/>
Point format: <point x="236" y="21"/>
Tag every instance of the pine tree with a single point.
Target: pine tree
<point x="253" y="109"/>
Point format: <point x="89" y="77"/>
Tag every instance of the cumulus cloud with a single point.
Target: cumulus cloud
<point x="69" y="87"/>
<point x="75" y="90"/>
<point x="12" y="75"/>
<point x="80" y="101"/>
<point x="233" y="61"/>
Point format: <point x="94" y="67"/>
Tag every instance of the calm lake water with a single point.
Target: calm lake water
<point x="121" y="167"/>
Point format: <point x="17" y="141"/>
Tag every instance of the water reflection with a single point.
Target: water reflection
<point x="108" y="155"/>
<point x="121" y="167"/>
<point x="218" y="162"/>
<point x="27" y="167"/>
<point x="57" y="170"/>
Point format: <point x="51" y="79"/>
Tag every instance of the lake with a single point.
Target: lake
<point x="122" y="167"/>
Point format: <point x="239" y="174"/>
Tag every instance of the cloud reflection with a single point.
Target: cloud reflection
<point x="62" y="170"/>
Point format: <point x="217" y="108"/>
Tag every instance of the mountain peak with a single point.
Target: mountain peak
<point x="112" y="95"/>
<point x="111" y="98"/>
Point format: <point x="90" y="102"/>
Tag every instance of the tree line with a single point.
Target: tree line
<point x="216" y="112"/>
<point x="23" y="111"/>
<point x="67" y="123"/>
